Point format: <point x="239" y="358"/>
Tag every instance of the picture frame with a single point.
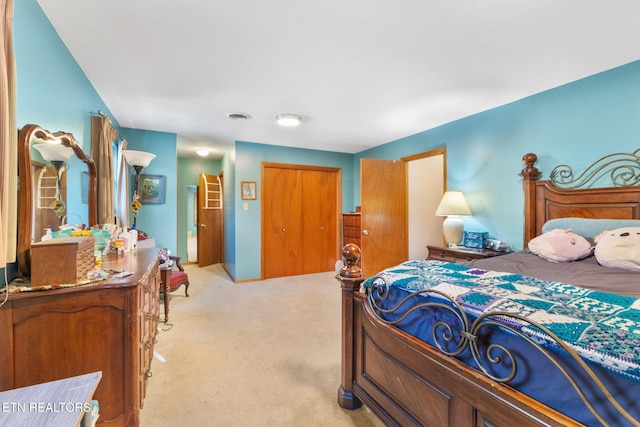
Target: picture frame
<point x="248" y="189"/>
<point x="151" y="189"/>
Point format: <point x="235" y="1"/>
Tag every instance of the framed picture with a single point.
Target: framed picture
<point x="151" y="188"/>
<point x="248" y="190"/>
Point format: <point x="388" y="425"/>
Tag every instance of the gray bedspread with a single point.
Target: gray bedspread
<point x="586" y="272"/>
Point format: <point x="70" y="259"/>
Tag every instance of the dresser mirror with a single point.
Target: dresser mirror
<point x="57" y="186"/>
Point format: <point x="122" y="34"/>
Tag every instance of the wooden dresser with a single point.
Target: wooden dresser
<point x="110" y="327"/>
<point x="351" y="228"/>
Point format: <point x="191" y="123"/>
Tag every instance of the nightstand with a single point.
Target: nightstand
<point x="460" y="253"/>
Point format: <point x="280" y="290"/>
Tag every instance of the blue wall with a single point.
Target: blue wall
<point x="52" y="90"/>
<point x="575" y="124"/>
<point x="244" y="258"/>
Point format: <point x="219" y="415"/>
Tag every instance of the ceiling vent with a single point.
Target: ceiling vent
<point x="238" y="116"/>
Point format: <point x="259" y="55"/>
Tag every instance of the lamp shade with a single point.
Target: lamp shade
<point x="453" y="203"/>
<point x="54" y="152"/>
<point x="138" y="158"/>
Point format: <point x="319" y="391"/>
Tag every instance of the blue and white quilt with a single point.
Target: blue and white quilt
<point x="601" y="327"/>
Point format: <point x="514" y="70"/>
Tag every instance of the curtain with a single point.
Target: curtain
<point x="102" y="136"/>
<point x="8" y="139"/>
<point x="122" y="193"/>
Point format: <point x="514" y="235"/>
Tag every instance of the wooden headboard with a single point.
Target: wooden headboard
<point x="561" y="195"/>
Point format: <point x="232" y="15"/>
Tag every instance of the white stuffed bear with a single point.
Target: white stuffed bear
<point x="560" y="246"/>
<point x="619" y="248"/>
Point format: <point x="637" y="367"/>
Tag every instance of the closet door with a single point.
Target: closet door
<point x="282" y="222"/>
<point x="320" y="233"/>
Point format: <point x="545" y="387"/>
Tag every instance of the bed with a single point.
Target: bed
<point x="425" y="376"/>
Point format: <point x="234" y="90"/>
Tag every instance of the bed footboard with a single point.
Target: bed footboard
<point x="407" y="382"/>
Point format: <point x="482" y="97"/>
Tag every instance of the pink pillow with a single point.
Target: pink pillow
<point x="560" y="246"/>
<point x="619" y="248"/>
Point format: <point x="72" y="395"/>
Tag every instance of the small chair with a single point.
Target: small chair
<point x="175" y="279"/>
<point x="179" y="277"/>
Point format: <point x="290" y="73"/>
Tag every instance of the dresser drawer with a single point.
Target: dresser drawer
<point x="351" y="232"/>
<point x="351" y="220"/>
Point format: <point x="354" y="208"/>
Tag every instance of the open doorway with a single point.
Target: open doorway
<point x="210" y="219"/>
<point x="192" y="228"/>
<point x="427" y="183"/>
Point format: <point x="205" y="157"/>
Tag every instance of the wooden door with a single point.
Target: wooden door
<point x="281" y="222"/>
<point x="320" y="223"/>
<point x="209" y="219"/>
<point x="383" y="200"/>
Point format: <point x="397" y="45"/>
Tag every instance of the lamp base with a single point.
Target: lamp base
<point x="453" y="228"/>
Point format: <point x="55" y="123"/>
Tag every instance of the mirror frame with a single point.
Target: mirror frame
<point x="25" y="198"/>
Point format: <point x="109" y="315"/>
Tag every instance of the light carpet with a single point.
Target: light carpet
<point x="263" y="353"/>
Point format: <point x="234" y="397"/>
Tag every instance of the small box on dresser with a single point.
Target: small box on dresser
<point x="61" y="260"/>
<point x="474" y="239"/>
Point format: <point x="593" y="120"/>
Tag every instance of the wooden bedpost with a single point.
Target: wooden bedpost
<point x="530" y="175"/>
<point x="350" y="277"/>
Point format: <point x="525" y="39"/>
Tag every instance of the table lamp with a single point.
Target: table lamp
<point x="453" y="205"/>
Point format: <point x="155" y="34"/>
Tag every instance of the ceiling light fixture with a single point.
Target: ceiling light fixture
<point x="288" y="119"/>
<point x="202" y="152"/>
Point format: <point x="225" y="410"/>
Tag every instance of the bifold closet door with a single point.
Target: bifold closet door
<point x="282" y="222"/>
<point x="319" y="221"/>
<point x="300" y="220"/>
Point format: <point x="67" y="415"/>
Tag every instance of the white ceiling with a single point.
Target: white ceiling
<point x="359" y="72"/>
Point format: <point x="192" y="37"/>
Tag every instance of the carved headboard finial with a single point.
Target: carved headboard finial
<point x="351" y="254"/>
<point x="530" y="171"/>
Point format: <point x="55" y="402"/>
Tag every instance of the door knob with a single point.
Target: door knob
<point x="283" y="229"/>
<point x="322" y="227"/>
<point x="202" y="225"/>
<point x="365" y="232"/>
